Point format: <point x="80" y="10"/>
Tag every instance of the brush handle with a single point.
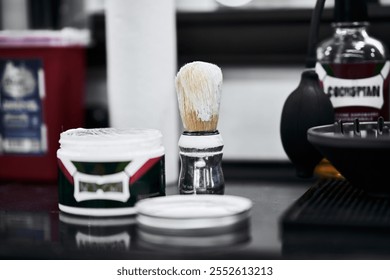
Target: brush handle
<point x="201" y="158"/>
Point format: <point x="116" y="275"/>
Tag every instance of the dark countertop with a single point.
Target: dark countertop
<point x="32" y="227"/>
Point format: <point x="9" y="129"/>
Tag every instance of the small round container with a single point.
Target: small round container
<point x="104" y="172"/>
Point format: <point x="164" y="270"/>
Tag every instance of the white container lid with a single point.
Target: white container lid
<point x="110" y="142"/>
<point x="66" y="37"/>
<point x="192" y="212"/>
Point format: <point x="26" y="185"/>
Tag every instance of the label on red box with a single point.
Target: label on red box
<point x="22" y="91"/>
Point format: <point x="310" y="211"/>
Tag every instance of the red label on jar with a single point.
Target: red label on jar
<point x="359" y="90"/>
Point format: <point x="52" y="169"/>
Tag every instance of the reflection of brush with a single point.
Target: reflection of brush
<point x="198" y="86"/>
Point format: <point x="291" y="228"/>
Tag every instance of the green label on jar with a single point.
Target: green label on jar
<point x="101" y="185"/>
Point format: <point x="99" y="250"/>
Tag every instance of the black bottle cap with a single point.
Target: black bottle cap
<point x="350" y="10"/>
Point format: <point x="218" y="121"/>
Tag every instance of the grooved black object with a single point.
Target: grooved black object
<point x="360" y="151"/>
<point x="307" y="106"/>
<point x="335" y="219"/>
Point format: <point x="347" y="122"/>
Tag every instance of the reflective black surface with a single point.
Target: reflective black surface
<point x="32" y="227"/>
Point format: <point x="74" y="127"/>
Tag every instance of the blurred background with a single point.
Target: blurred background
<point x="259" y="44"/>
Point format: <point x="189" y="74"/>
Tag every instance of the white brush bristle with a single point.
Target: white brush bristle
<point x="198" y="87"/>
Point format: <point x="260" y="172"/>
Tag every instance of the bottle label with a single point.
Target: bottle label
<point x="357" y="90"/>
<point x="22" y="93"/>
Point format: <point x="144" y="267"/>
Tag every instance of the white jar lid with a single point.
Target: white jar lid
<point x="110" y="141"/>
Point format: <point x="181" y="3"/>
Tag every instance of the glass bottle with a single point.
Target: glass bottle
<point x="353" y="70"/>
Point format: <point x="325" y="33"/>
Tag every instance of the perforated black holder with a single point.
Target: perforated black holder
<point x="360" y="151"/>
<point x="335" y="220"/>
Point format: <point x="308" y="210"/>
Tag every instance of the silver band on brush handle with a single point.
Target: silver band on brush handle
<point x="201" y="158"/>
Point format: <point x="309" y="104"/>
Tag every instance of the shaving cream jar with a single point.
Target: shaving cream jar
<point x="105" y="171"/>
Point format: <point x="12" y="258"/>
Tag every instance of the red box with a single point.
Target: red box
<point x="42" y="84"/>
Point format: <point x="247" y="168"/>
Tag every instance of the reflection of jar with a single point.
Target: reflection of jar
<point x="25" y="226"/>
<point x="104" y="172"/>
<point x="97" y="233"/>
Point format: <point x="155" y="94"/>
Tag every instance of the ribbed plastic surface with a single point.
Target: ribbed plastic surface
<point x="333" y="217"/>
<point x="337" y="202"/>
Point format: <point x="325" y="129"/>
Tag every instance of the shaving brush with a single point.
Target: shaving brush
<point x="198" y="87"/>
